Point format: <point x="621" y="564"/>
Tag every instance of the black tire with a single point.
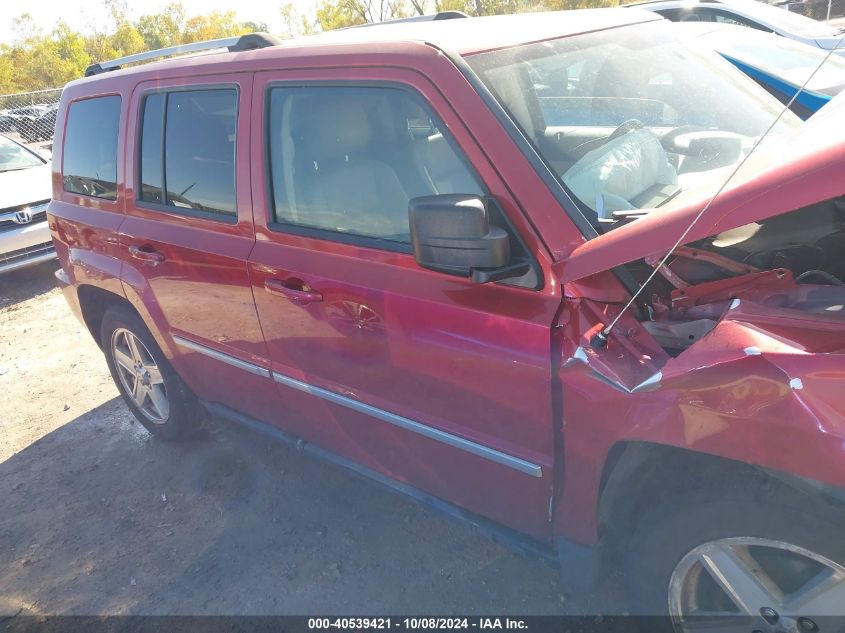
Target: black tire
<point x="756" y="507"/>
<point x="185" y="415"/>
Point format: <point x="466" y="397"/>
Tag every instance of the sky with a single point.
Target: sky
<point x="82" y="14"/>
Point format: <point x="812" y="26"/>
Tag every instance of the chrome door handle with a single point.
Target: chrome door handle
<point x="294" y="290"/>
<point x="146" y="254"/>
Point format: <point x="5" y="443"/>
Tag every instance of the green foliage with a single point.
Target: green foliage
<point x="43" y="60"/>
<point x="338" y="14"/>
<point x="334" y="14"/>
<point x="164" y="29"/>
<point x="213" y="26"/>
<point x="561" y="5"/>
<point x="38" y="60"/>
<point x="296" y="24"/>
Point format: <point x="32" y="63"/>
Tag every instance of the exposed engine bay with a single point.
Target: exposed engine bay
<point x="795" y="261"/>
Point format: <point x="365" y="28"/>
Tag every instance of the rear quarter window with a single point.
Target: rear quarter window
<point x="90" y="148"/>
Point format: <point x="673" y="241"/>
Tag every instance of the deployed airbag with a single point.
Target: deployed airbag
<point x="619" y="171"/>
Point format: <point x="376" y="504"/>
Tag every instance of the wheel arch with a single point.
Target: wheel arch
<point x="94" y="302"/>
<point x="638" y="475"/>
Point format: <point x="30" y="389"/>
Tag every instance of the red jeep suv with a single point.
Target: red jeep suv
<point x="563" y="275"/>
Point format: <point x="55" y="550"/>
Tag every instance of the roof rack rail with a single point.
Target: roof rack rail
<point x="443" y="15"/>
<point x="247" y="42"/>
<point x="450" y="15"/>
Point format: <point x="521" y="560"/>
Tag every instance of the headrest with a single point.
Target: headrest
<point x="512" y="85"/>
<point x="338" y="128"/>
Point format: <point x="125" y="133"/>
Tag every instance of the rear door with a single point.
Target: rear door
<point x="425" y="377"/>
<point x="188" y="232"/>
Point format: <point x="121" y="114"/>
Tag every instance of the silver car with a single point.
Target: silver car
<point x="757" y="15"/>
<point x="25" y="191"/>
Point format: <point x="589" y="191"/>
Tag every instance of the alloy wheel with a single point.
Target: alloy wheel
<point x="140" y="376"/>
<point x="755" y="585"/>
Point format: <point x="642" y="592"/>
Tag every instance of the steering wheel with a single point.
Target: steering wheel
<point x="669" y="140"/>
<point x="627" y="126"/>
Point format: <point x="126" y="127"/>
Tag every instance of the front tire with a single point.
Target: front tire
<point x="158" y="398"/>
<point x="754" y="557"/>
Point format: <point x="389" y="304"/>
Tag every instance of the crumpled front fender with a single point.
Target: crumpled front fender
<point x="765" y="386"/>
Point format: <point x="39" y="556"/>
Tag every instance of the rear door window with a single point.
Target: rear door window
<point x="187" y="157"/>
<point x="90" y="147"/>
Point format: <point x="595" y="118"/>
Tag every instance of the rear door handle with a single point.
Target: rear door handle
<point x="146" y="254"/>
<point x="294" y="290"/>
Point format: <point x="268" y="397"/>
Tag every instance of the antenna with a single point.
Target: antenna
<point x="599" y="339"/>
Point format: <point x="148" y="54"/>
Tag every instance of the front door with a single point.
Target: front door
<point x="428" y="378"/>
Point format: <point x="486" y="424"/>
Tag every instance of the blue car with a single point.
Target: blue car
<point x="778" y="64"/>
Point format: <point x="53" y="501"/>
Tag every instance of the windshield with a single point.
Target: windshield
<point x="630" y="118"/>
<point x="14" y="156"/>
<point x="793" y="61"/>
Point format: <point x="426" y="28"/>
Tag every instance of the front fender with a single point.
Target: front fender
<point x="758" y="389"/>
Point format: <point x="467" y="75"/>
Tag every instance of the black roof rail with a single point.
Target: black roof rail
<point x="450" y="15"/>
<point x="248" y="42"/>
<point x="254" y="41"/>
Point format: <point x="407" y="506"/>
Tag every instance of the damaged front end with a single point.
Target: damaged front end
<point x="769" y="287"/>
<point x="735" y="345"/>
<point x="749" y="367"/>
<point x="737" y="348"/>
<point x="760" y="273"/>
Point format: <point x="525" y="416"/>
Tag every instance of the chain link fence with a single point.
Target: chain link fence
<point x="835" y="9"/>
<point x="30" y="117"/>
<point x="817" y="9"/>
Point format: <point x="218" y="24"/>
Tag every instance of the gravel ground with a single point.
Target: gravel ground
<point x="98" y="518"/>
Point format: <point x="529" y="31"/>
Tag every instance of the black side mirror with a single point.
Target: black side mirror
<point x="451" y="233"/>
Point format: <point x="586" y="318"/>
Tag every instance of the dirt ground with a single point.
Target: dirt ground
<point x="98" y="518"/>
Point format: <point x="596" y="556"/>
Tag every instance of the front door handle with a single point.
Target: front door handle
<point x="293" y="289"/>
<point x="146" y="254"/>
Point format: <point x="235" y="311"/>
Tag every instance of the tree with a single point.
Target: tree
<point x="296" y="24"/>
<point x="254" y="27"/>
<point x="163" y="29"/>
<point x="212" y="26"/>
<point x="47" y="60"/>
<point x="126" y="40"/>
<point x="24" y="27"/>
<point x="562" y="5"/>
<point x="334" y="14"/>
<point x="337" y="14"/>
<point x="38" y="59"/>
<point x="7" y="72"/>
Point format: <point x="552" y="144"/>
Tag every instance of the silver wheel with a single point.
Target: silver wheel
<point x="752" y="584"/>
<point x="139" y="375"/>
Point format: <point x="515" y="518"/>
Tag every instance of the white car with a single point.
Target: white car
<point x="25" y="190"/>
<point x="751" y="13"/>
